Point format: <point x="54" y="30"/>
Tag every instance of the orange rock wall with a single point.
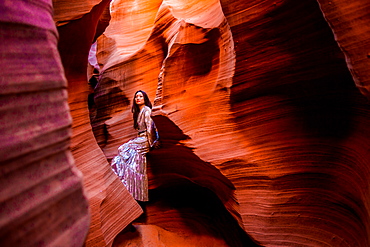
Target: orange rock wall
<point x="111" y="206"/>
<point x="260" y="91"/>
<point x="260" y="105"/>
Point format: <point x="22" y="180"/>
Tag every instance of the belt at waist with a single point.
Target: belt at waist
<point x="141" y="133"/>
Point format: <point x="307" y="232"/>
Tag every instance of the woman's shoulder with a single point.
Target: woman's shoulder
<point x="147" y="109"/>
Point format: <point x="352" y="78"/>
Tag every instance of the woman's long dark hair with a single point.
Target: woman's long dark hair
<point x="136" y="109"/>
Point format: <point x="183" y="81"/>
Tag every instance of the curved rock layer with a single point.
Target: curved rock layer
<point x="169" y="39"/>
<point x="305" y="123"/>
<point x="112" y="207"/>
<point x="254" y="101"/>
<point x="67" y="11"/>
<point x="352" y="36"/>
<point x="265" y="136"/>
<point x="42" y="202"/>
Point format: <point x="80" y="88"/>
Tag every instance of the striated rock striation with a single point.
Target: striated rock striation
<point x="259" y="91"/>
<point x="306" y="125"/>
<point x="112" y="207"/>
<point x="349" y="21"/>
<point x="262" y="109"/>
<point x="42" y="200"/>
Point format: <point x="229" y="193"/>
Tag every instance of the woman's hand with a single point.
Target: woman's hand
<point x="156" y="144"/>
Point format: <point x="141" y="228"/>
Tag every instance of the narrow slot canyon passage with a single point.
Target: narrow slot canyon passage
<point x="262" y="109"/>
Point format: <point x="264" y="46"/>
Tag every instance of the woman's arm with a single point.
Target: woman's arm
<point x="151" y="130"/>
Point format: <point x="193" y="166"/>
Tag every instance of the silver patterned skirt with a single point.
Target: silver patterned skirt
<point x="130" y="166"/>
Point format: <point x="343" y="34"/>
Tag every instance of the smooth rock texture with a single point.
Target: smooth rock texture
<point x="42" y="200"/>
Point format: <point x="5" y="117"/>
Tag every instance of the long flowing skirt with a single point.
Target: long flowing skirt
<point x="130" y="166"/>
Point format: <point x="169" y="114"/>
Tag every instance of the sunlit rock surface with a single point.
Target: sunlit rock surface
<point x="253" y="101"/>
<point x="68" y="11"/>
<point x="112" y="207"/>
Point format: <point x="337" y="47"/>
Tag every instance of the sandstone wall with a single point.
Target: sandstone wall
<point x="259" y="90"/>
<point x="262" y="109"/>
<point x="42" y="198"/>
<point x="111" y="206"/>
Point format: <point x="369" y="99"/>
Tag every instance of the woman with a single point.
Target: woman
<point x="130" y="163"/>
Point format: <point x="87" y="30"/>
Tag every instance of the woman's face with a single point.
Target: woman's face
<point x="139" y="99"/>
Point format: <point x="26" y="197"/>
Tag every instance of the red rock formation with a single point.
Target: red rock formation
<point x="277" y="115"/>
<point x="264" y="133"/>
<point x="112" y="208"/>
<point x="349" y="21"/>
<point x="306" y="123"/>
<point x="42" y="200"/>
